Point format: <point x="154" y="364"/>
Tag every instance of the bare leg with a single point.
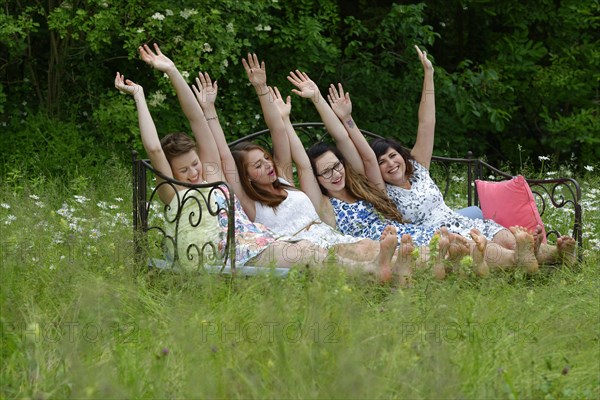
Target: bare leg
<point x="564" y="251"/>
<point x="364" y="250"/>
<point x="505" y="238"/>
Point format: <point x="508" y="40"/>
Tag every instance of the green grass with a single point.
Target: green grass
<point x="80" y="320"/>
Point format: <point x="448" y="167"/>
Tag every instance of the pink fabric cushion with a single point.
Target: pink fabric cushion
<point x="509" y="203"/>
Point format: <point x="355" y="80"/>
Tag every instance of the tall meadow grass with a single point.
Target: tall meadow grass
<point x="79" y="319"/>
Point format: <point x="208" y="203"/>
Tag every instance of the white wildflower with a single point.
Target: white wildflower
<point x="267" y="28"/>
<point x="158" y="16"/>
<point x="589" y="168"/>
<point x="10" y="219"/>
<point x="140" y="30"/>
<point x="40" y="204"/>
<point x="543" y="158"/>
<point x="57" y="238"/>
<point x="177" y="39"/>
<point x="458" y="178"/>
<point x="34" y="197"/>
<point x="188" y="12"/>
<point x="258" y="27"/>
<point x="119" y="199"/>
<point x="257" y="116"/>
<point x="51" y="267"/>
<point x="550" y="173"/>
<point x="65" y="211"/>
<point x="80" y="199"/>
<point x="157" y="98"/>
<point x="95" y="234"/>
<point x="102" y="204"/>
<point x="113" y="206"/>
<point x="225" y="63"/>
<point x="185" y="74"/>
<point x="169" y="12"/>
<point x="229" y="27"/>
<point x="206" y="48"/>
<point x="5" y="206"/>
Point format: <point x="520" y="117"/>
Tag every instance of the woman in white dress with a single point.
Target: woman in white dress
<point x="264" y="185"/>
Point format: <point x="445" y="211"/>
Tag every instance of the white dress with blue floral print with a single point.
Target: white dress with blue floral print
<point x="423" y="204"/>
<point x="361" y="219"/>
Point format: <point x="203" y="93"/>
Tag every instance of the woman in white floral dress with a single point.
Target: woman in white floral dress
<point x="404" y="174"/>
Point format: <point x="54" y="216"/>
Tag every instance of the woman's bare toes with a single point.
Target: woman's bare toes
<point x="480" y="266"/>
<point x="524" y="252"/>
<point x="567" y="250"/>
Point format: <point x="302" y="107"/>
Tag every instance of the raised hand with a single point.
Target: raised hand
<point x="284" y="107"/>
<point x="205" y="90"/>
<point x="427" y="65"/>
<point x="257" y="73"/>
<point x="305" y="86"/>
<point x="126" y="86"/>
<point x="156" y="59"/>
<point x="340" y="101"/>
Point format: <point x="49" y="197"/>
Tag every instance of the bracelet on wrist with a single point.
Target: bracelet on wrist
<point x="211" y="118"/>
<point x="263" y="94"/>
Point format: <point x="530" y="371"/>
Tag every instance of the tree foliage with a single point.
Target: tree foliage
<point x="509" y="75"/>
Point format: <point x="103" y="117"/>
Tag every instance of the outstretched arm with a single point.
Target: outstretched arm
<point x="423" y="148"/>
<point x="257" y="75"/>
<point x="305" y="87"/>
<point x="308" y="182"/>
<point x="207" y="149"/>
<point x="342" y="107"/>
<point x="149" y="135"/>
<point x="206" y="94"/>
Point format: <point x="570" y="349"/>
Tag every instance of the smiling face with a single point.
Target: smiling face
<point x="330" y="172"/>
<point x="392" y="167"/>
<point x="187" y="167"/>
<point x="260" y="168"/>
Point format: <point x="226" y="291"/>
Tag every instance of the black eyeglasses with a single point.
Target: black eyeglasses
<point x="328" y="173"/>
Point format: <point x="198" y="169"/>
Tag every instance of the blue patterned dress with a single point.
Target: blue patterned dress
<point x="423" y="204"/>
<point x="361" y="219"/>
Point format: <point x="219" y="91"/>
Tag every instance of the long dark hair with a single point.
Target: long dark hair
<point x="381" y="145"/>
<point x="357" y="184"/>
<point x="256" y="193"/>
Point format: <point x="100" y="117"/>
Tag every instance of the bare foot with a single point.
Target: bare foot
<point x="539" y="252"/>
<point x="567" y="253"/>
<point x="387" y="247"/>
<point x="480" y="266"/>
<point x="524" y="252"/>
<point x="439" y="260"/>
<point x="405" y="261"/>
<point x="459" y="248"/>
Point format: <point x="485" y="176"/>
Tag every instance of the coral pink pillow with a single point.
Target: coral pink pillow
<point x="509" y="203"/>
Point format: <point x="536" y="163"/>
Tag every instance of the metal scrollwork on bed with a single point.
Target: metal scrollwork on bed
<point x="158" y="227"/>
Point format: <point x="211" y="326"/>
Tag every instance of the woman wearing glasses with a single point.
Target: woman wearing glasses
<point x="353" y="214"/>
